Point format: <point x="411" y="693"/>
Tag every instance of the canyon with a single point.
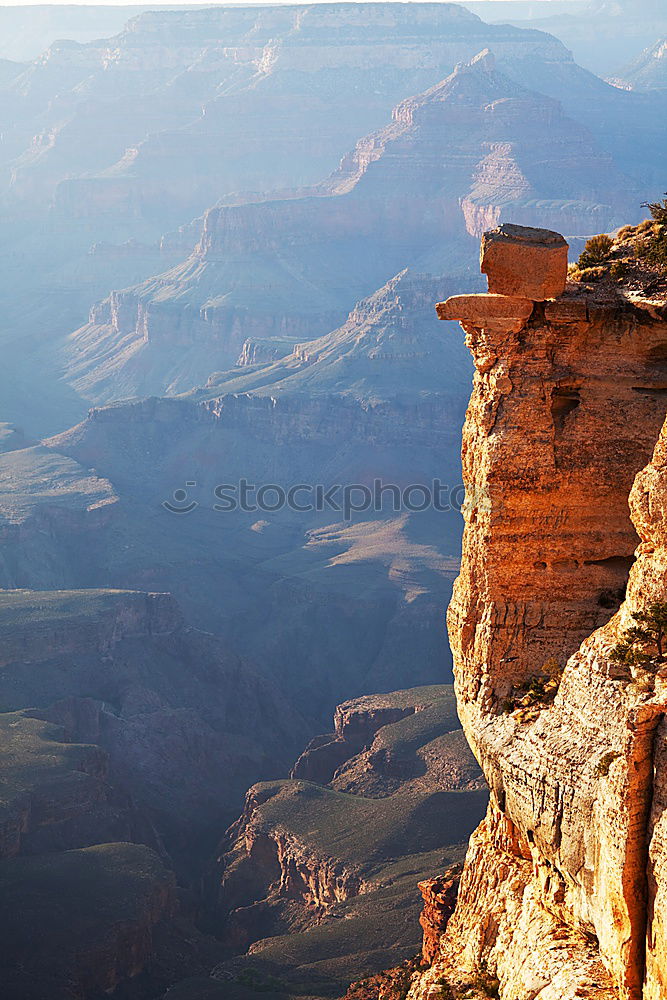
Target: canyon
<point x="117" y="722"/>
<point x="114" y="152"/>
<point x="117" y="725"/>
<point x="314" y="252"/>
<point x="256" y="209"/>
<point x="120" y="670"/>
<point x="310" y="862"/>
<point x="369" y="401"/>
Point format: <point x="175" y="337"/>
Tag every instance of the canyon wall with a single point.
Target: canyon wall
<point x="562" y="894"/>
<point x="375" y="398"/>
<point x="453" y="160"/>
<point x="309" y="864"/>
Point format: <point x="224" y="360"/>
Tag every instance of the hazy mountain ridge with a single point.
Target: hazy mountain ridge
<point x="453" y="161"/>
<point x="648" y="71"/>
<point x="127" y="183"/>
<point x="603" y="34"/>
<point x="101" y="129"/>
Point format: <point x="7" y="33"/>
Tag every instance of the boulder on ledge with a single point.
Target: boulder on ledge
<point x="531" y="263"/>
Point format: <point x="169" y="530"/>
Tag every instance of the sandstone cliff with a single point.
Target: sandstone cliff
<point x="562" y="894"/>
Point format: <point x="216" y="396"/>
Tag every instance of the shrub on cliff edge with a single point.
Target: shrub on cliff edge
<point x="644" y="643"/>
<point x="658" y="210"/>
<point x="596" y="252"/>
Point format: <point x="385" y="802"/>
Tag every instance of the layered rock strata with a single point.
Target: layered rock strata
<point x="355" y="724"/>
<point x="117" y="719"/>
<point x="407" y="194"/>
<point x="378" y="746"/>
<point x="563" y="893"/>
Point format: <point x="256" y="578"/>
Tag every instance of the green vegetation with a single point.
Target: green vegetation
<point x="48" y="608"/>
<point x="651" y="245"/>
<point x="658" y="210"/>
<point x="426" y="694"/>
<point x="596" y="251"/>
<point x="260" y="983"/>
<point x="534" y="694"/>
<point x="650" y="237"/>
<point x="605" y="763"/>
<point x="39" y="767"/>
<point x="644" y="644"/>
<point x="414" y="731"/>
<point x="414" y="752"/>
<point x="637" y="255"/>
<point x="362" y="832"/>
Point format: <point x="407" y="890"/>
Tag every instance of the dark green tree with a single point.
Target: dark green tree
<point x="645" y="642"/>
<point x="658" y="210"/>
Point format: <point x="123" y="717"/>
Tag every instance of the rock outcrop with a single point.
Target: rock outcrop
<point x="562" y="894"/>
<point x="355" y="724"/>
<point x="379" y="747"/>
<point x="527" y="263"/>
<point x="439" y="895"/>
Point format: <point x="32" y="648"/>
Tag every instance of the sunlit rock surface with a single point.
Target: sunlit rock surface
<point x="562" y="892"/>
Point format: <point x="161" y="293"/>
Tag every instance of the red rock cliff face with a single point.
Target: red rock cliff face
<point x="563" y="892"/>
